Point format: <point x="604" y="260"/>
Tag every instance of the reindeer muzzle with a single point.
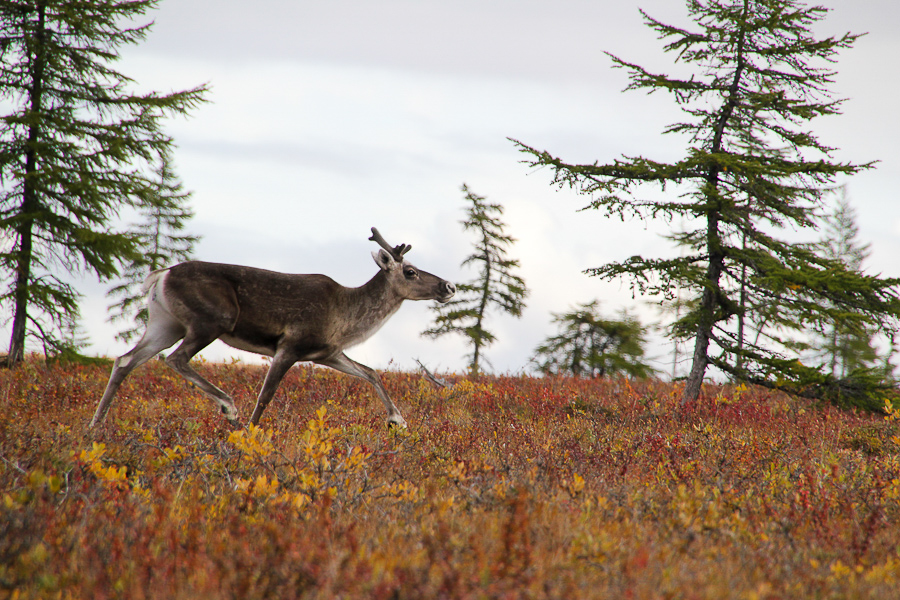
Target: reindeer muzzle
<point x="447" y="291"/>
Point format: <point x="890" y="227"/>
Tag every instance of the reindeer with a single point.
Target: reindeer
<point x="291" y="318"/>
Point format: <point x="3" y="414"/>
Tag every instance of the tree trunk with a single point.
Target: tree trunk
<point x="739" y="359"/>
<point x="30" y="204"/>
<point x="482" y="306"/>
<point x="20" y="294"/>
<point x="698" y="367"/>
<point x="711" y="293"/>
<point x="708" y="305"/>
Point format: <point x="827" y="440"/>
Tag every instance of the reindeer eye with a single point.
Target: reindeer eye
<point x="410" y="273"/>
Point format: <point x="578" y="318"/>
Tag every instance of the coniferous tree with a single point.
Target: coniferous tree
<point x="672" y="310"/>
<point x="589" y="345"/>
<point x="75" y="146"/>
<point x="496" y="285"/>
<point x="69" y="344"/>
<point x="161" y="243"/>
<point x="751" y="170"/>
<point x="845" y="345"/>
<point x="887" y="367"/>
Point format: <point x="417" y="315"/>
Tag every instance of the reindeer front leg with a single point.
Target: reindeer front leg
<point x="281" y="362"/>
<point x="344" y="364"/>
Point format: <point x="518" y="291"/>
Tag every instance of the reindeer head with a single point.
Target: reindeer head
<point x="407" y="280"/>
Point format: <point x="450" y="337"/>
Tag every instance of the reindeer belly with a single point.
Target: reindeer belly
<point x="247" y="345"/>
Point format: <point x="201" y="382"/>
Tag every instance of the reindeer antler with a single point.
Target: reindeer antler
<point x="397" y="251"/>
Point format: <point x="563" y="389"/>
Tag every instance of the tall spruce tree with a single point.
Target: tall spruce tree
<point x="496" y="286"/>
<point x="161" y="242"/>
<point x="589" y="345"/>
<point x="751" y="170"/>
<point x="75" y="148"/>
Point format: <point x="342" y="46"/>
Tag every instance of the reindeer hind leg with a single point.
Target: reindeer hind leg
<point x="162" y="332"/>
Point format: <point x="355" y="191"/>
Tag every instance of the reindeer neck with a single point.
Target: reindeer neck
<point x="371" y="304"/>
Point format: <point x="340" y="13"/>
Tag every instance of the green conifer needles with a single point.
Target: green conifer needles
<point x="497" y="285"/>
<point x="752" y="75"/>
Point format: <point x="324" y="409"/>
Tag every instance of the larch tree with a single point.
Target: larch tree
<point x="590" y="345"/>
<point x="496" y="287"/>
<point x="752" y="170"/>
<point x="76" y="147"/>
<point x="161" y="242"/>
<point x="845" y="345"/>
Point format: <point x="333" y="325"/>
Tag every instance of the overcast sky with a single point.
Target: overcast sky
<point x="328" y="118"/>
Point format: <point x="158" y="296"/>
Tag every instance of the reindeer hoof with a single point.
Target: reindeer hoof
<point x="231" y="415"/>
<point x="397" y="421"/>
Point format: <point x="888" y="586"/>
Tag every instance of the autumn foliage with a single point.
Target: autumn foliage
<point x="505" y="487"/>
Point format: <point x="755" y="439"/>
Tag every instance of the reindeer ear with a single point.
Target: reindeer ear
<point x="385" y="261"/>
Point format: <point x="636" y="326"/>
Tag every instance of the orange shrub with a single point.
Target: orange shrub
<point x="504" y="487"/>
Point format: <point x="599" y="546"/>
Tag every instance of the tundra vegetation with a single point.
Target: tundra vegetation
<point x="504" y="487"/>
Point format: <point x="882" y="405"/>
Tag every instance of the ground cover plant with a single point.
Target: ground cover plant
<point x="503" y="487"/>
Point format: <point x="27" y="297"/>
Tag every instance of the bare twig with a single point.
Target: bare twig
<point x="432" y="378"/>
<point x="14" y="466"/>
